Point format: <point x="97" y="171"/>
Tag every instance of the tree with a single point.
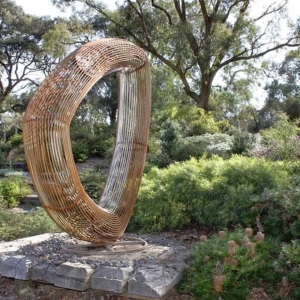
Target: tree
<point x="284" y="90"/>
<point x="21" y="48"/>
<point x="196" y="39"/>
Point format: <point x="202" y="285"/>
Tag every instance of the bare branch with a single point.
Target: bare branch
<point x="268" y="11"/>
<point x="163" y="10"/>
<point x="252" y="56"/>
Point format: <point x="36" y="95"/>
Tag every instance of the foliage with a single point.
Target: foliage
<point x="215" y="193"/>
<point x="15" y="225"/>
<point x="156" y="156"/>
<point x="195" y="121"/>
<point x="12" y="189"/>
<point x="93" y="181"/>
<point x="21" y="47"/>
<point x="16" y="140"/>
<point x="4" y="149"/>
<point x="280" y="141"/>
<point x="219" y="34"/>
<point x="206" y="144"/>
<point x="85" y="143"/>
<point x="169" y="136"/>
<point x="243" y="142"/>
<point x="249" y="264"/>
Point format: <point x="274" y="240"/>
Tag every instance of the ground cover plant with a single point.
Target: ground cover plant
<point x="17" y="224"/>
<point x="232" y="264"/>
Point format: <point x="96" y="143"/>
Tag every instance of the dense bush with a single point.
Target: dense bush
<point x="4" y="149"/>
<point x="15" y="225"/>
<point x="196" y="121"/>
<point x="208" y="144"/>
<point x="86" y="143"/>
<point x="243" y="142"/>
<point x="169" y="136"/>
<point x="280" y="141"/>
<point x="15" y="140"/>
<point x="12" y="189"/>
<point x="93" y="181"/>
<point x="219" y="193"/>
<point x="231" y="266"/>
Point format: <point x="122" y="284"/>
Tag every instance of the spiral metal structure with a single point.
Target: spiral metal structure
<point x="47" y="142"/>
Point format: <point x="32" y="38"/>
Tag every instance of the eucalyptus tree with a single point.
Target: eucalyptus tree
<point x="197" y="38"/>
<point x="21" y="48"/>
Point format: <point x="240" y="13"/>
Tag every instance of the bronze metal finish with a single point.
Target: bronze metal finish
<point x="48" y="146"/>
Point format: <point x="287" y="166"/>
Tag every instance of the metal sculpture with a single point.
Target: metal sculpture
<point x="48" y="148"/>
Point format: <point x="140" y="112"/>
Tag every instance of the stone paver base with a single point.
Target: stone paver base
<point x="152" y="279"/>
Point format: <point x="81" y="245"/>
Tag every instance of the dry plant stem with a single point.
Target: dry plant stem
<point x="48" y="146"/>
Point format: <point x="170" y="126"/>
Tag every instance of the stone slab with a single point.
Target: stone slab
<point x="111" y="279"/>
<point x="74" y="276"/>
<point x="45" y="272"/>
<point x="18" y="267"/>
<point x="154" y="280"/>
<point x="13" y="246"/>
<point x="108" y="272"/>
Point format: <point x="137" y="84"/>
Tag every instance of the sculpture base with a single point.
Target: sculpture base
<point x="124" y="245"/>
<point x="147" y="274"/>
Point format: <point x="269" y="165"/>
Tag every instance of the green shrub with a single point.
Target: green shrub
<point x="280" y="141"/>
<point x="19" y="225"/>
<point x="102" y="146"/>
<point x="12" y="189"/>
<point x="213" y="192"/>
<point x="16" y="140"/>
<point x="93" y="181"/>
<point x="196" y="121"/>
<point x="4" y="149"/>
<point x="250" y="264"/>
<point x="243" y="142"/>
<point x="80" y="151"/>
<point x="169" y="136"/>
<point x="197" y="146"/>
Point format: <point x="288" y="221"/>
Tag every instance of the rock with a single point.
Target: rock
<point x="155" y="280"/>
<point x="74" y="276"/>
<point x="18" y="267"/>
<point x="2" y="258"/>
<point x="44" y="271"/>
<point x="111" y="279"/>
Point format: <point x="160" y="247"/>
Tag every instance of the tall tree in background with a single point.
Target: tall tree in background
<point x="21" y="51"/>
<point x="196" y="39"/>
<point x="284" y="90"/>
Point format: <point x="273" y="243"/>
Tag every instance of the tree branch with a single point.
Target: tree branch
<point x="267" y="12"/>
<point x="164" y="11"/>
<point x="238" y="58"/>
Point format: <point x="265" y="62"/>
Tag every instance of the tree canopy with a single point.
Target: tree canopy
<point x="21" y="47"/>
<point x="196" y="39"/>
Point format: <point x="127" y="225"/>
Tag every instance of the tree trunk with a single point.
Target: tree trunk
<point x="206" y="84"/>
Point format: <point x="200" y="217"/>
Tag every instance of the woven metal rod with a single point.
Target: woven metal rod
<point x="48" y="148"/>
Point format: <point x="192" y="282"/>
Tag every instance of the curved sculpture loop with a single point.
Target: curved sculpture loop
<point x="48" y="148"/>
